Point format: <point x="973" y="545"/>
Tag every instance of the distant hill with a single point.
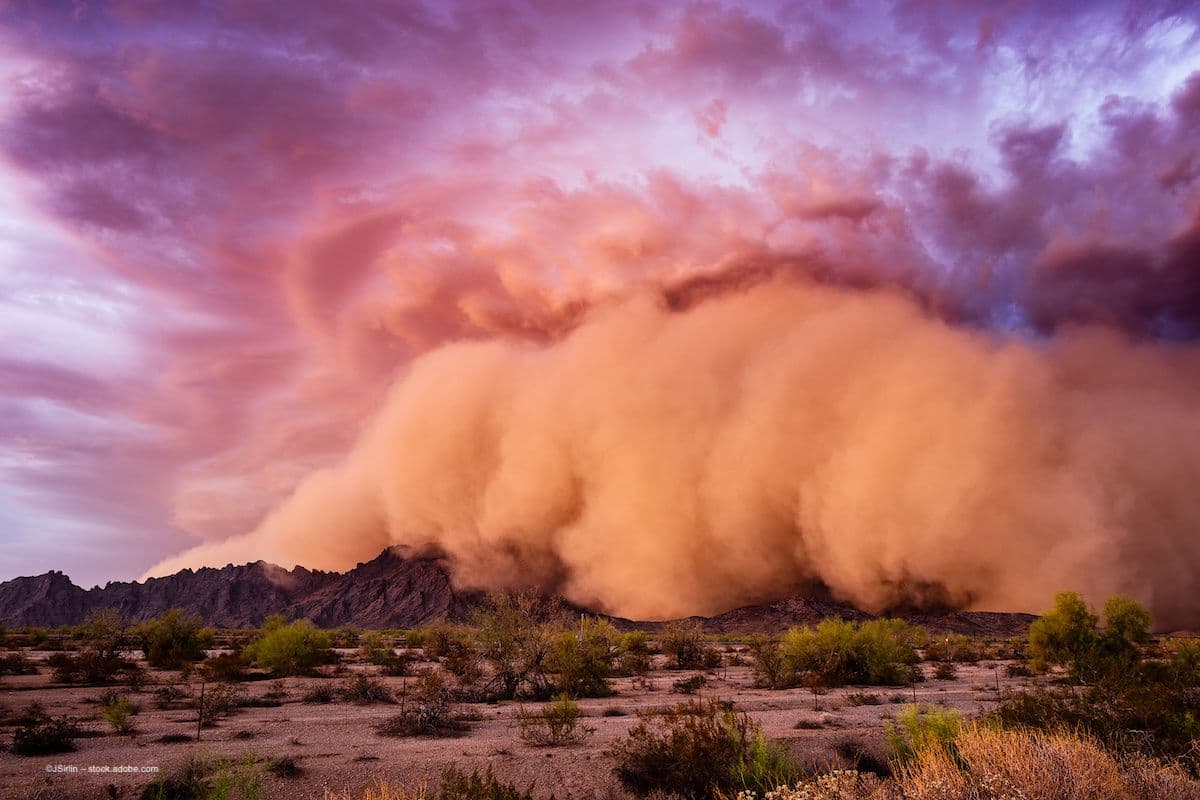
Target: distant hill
<point x="397" y="589"/>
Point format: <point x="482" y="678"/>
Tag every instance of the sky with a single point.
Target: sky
<point x="227" y="227"/>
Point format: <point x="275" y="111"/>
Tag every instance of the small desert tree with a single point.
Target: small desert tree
<point x="515" y="636"/>
<point x="684" y="642"/>
<point x="174" y="639"/>
<point x="1068" y="636"/>
<point x="104" y="637"/>
<point x="582" y="660"/>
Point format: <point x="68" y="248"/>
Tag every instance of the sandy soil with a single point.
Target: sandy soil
<point x="337" y="748"/>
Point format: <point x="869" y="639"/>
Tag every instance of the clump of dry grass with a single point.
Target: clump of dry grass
<point x="381" y="791"/>
<point x="987" y="763"/>
<point x="1032" y="765"/>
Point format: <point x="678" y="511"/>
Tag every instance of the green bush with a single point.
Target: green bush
<point x="295" y="649"/>
<point x="40" y="735"/>
<point x="458" y="785"/>
<point x="118" y="712"/>
<point x="1183" y="660"/>
<point x="515" y="636"/>
<point x="1068" y="636"/>
<point x="173" y="639"/>
<point x="918" y="728"/>
<point x="684" y="642"/>
<point x="553" y="725"/>
<point x="219" y="779"/>
<point x="698" y="750"/>
<point x="877" y="653"/>
<point x="582" y="661"/>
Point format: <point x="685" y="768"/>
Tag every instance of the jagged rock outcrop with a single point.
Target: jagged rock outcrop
<point x="399" y="588"/>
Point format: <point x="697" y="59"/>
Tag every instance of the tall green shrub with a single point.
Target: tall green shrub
<point x="295" y="649"/>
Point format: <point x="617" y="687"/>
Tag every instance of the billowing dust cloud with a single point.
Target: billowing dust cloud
<point x="658" y="462"/>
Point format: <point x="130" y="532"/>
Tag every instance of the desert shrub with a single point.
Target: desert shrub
<point x="436" y="640"/>
<point x="515" y="636"/>
<point x="689" y="685"/>
<point x="1131" y="714"/>
<point x="38" y="734"/>
<point x="17" y="664"/>
<point x="954" y="647"/>
<point x="346" y="637"/>
<point x="697" y="750"/>
<point x="1068" y="636"/>
<point x="1018" y="671"/>
<point x="455" y="785"/>
<point x="863" y="699"/>
<point x="836" y="652"/>
<point x="581" y="662"/>
<point x="170" y="697"/>
<point x="1183" y="661"/>
<point x="918" y="728"/>
<point x="290" y="649"/>
<point x="89" y="668"/>
<point x="633" y="654"/>
<point x="768" y="665"/>
<point x="1126" y="620"/>
<point x="321" y="694"/>
<point x="684" y="642"/>
<point x="216" y="700"/>
<point x="100" y="660"/>
<point x="285" y="767"/>
<point x="862" y="758"/>
<point x="365" y="690"/>
<point x="379" y="649"/>
<point x="464" y="661"/>
<point x="945" y="671"/>
<point x="226" y="668"/>
<point x="118" y="712"/>
<point x="258" y="702"/>
<point x="553" y="725"/>
<point x="175" y="738"/>
<point x="427" y="708"/>
<point x="635" y="642"/>
<point x="991" y="763"/>
<point x="458" y="785"/>
<point x="216" y="779"/>
<point x="173" y="639"/>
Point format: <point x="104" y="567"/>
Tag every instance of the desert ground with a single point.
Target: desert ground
<point x="336" y="749"/>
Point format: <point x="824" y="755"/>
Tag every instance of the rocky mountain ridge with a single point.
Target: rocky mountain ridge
<point x="399" y="588"/>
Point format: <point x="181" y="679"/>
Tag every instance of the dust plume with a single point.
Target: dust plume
<point x="659" y="461"/>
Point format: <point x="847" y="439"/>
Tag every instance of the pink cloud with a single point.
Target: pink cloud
<point x="298" y="199"/>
